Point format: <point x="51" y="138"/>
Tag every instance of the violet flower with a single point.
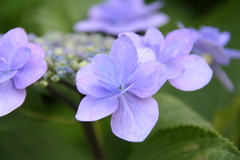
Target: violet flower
<point x="116" y="16"/>
<point x="209" y="43"/>
<point x="187" y="72"/>
<point x="21" y="64"/>
<point x="120" y="85"/>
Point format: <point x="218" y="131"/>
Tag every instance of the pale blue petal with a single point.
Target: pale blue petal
<point x="205" y="46"/>
<point x="90" y="84"/>
<point x="176" y="71"/>
<point x="222" y="77"/>
<point x="90" y="26"/>
<point x="36" y="49"/>
<point x="136" y="39"/>
<point x="232" y="53"/>
<point x="155" y="40"/>
<point x="106" y="69"/>
<point x="145" y="54"/>
<point x="224" y="38"/>
<point x="137" y="25"/>
<point x="148" y="79"/>
<point x="178" y="43"/>
<point x="197" y="73"/>
<point x="81" y="74"/>
<point x="134" y="118"/>
<point x="20" y="58"/>
<point x="10" y="97"/>
<point x="92" y="109"/>
<point x="3" y="65"/>
<point x="13" y="40"/>
<point x="6" y="76"/>
<point x="33" y="70"/>
<point x="125" y="55"/>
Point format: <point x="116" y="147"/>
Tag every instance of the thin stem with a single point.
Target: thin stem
<point x="69" y="85"/>
<point x="88" y="127"/>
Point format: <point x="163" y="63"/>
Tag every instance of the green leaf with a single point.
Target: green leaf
<point x="226" y="121"/>
<point x="185" y="143"/>
<point x="39" y="142"/>
<point x="42" y="131"/>
<point x="174" y="112"/>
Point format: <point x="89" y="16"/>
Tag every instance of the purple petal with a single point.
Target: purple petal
<point x="3" y="65"/>
<point x="145" y="54"/>
<point x="6" y="76"/>
<point x="89" y="83"/>
<point x="155" y="40"/>
<point x="224" y="38"/>
<point x="89" y="26"/>
<point x="137" y="25"/>
<point x="34" y="69"/>
<point x="148" y="79"/>
<point x="36" y="49"/>
<point x="205" y="46"/>
<point x="134" y="118"/>
<point x="175" y="72"/>
<point x="232" y="53"/>
<point x="136" y="39"/>
<point x="14" y="39"/>
<point x="104" y="66"/>
<point x="125" y="55"/>
<point x="20" y="58"/>
<point x="197" y="73"/>
<point x="3" y="52"/>
<point x="92" y="109"/>
<point x="178" y="43"/>
<point x="211" y="33"/>
<point x="80" y="73"/>
<point x="10" y="97"/>
<point x="222" y="77"/>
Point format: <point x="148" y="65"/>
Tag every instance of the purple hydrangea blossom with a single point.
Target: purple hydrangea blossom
<point x="187" y="72"/>
<point x="21" y="64"/>
<point x="210" y="42"/>
<point x="121" y="85"/>
<point x="116" y="16"/>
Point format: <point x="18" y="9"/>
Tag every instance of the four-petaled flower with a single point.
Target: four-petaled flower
<point x="187" y="72"/>
<point x="121" y="85"/>
<point x="116" y="16"/>
<point x="21" y="64"/>
<point x="209" y="43"/>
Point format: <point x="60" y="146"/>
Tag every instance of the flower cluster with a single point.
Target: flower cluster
<point x="21" y="64"/>
<point x="209" y="43"/>
<point x="116" y="16"/>
<point x="67" y="53"/>
<point x="123" y="82"/>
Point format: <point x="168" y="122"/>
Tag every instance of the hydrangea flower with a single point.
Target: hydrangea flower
<point x="120" y="85"/>
<point x="21" y="64"/>
<point x="116" y="16"/>
<point x="209" y="43"/>
<point x="187" y="72"/>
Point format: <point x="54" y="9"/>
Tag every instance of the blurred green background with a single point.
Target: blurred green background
<point x="48" y="116"/>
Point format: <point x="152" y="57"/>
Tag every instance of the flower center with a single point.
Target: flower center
<point x="208" y="58"/>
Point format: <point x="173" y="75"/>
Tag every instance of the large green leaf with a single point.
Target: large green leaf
<point x="38" y="142"/>
<point x="226" y="121"/>
<point x="42" y="131"/>
<point x="185" y="143"/>
<point x="174" y="112"/>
